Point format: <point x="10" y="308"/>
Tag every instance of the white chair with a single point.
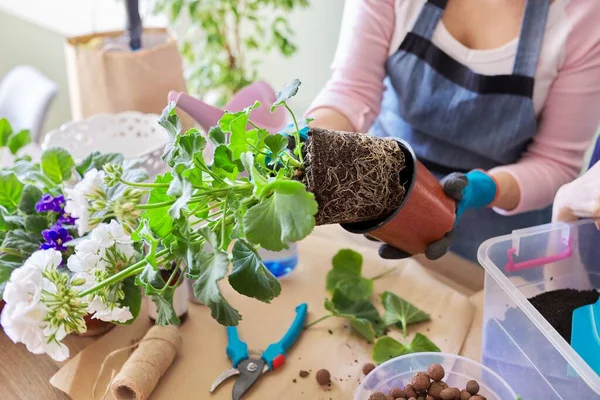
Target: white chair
<point x="25" y="97"/>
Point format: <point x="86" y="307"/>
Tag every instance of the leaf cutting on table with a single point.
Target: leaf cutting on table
<point x="346" y="277"/>
<point x="362" y="315"/>
<point x="387" y="348"/>
<point x="400" y="311"/>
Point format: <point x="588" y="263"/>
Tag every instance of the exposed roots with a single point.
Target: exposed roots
<point x="355" y="177"/>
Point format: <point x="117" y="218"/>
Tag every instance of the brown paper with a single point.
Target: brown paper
<point x="102" y="80"/>
<point x="202" y="356"/>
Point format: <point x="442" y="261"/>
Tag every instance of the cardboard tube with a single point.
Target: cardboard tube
<point x="148" y="363"/>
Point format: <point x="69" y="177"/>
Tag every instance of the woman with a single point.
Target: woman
<point x="510" y="87"/>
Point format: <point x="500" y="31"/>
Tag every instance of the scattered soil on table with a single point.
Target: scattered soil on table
<point x="355" y="177"/>
<point x="304" y="374"/>
<point x="557" y="307"/>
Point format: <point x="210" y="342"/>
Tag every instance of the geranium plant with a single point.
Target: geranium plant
<point x="93" y="246"/>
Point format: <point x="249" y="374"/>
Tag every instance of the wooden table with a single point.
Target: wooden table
<point x="24" y="376"/>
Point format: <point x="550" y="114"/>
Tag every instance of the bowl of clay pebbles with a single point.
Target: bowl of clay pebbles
<point x="433" y="376"/>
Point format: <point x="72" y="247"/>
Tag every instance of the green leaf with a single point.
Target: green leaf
<point x="86" y="164"/>
<point x="19" y="140"/>
<point x="8" y="264"/>
<point x="226" y="119"/>
<point x="387" y="348"/>
<point x="35" y="223"/>
<point x="161" y="222"/>
<point x="217" y="135"/>
<point x="238" y="139"/>
<point x="57" y="164"/>
<point x="30" y="196"/>
<point x="191" y="143"/>
<point x="362" y="315"/>
<point x="133" y="299"/>
<point x="25" y="242"/>
<point x="5" y="131"/>
<point x="207" y="270"/>
<point x="223" y="159"/>
<point x="422" y="344"/>
<point x="345" y="276"/>
<point x="182" y="200"/>
<point x="10" y="190"/>
<point x="259" y="181"/>
<point x="398" y="310"/>
<point x="250" y="277"/>
<point x="286" y="93"/>
<point x="162" y="296"/>
<point x="282" y="218"/>
<point x="276" y="143"/>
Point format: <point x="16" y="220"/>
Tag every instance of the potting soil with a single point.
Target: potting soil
<point x="355" y="177"/>
<point x="557" y="307"/>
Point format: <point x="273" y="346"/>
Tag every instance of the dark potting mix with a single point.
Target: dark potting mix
<point x="557" y="307"/>
<point x="355" y="177"/>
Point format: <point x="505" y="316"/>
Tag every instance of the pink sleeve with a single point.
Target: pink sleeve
<point x="569" y="119"/>
<point x="356" y="86"/>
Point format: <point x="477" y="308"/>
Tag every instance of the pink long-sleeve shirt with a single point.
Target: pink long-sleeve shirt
<point x="566" y="94"/>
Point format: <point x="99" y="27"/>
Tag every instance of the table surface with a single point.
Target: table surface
<point x="28" y="374"/>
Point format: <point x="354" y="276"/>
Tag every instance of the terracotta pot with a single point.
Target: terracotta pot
<point x="2" y="304"/>
<point x="95" y="327"/>
<point x="425" y="215"/>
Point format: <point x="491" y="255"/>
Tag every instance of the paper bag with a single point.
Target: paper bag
<point x="106" y="77"/>
<point x="331" y="344"/>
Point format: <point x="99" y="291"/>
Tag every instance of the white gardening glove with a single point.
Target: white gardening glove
<point x="580" y="198"/>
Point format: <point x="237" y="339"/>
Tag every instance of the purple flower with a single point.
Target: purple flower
<point x="66" y="219"/>
<point x="55" y="237"/>
<point x="49" y="203"/>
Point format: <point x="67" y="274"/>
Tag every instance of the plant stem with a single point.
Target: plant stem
<point x="296" y="134"/>
<point x="389" y="271"/>
<point x="145" y="185"/>
<point x="121" y="275"/>
<point x="155" y="205"/>
<point x="293" y="161"/>
<point x="323" y="318"/>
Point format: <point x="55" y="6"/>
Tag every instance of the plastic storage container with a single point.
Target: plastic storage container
<point x="280" y="263"/>
<point x="518" y="343"/>
<point x="459" y="370"/>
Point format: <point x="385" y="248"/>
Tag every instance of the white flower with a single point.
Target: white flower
<point x="77" y="199"/>
<point x="107" y="313"/>
<point x="24" y="313"/>
<point x="107" y="235"/>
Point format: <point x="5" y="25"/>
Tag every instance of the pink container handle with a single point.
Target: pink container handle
<point x="511" y="266"/>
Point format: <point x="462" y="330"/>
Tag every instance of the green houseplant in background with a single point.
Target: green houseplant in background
<point x="226" y="39"/>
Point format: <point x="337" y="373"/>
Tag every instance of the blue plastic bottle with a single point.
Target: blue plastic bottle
<point x="280" y="263"/>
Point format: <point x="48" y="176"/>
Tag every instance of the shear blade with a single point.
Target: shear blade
<point x="224" y="376"/>
<point x="250" y="371"/>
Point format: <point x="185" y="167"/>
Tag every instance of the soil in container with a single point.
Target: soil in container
<point x="557" y="307"/>
<point x="355" y="177"/>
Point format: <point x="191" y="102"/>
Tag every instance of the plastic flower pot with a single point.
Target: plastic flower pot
<point x="459" y="370"/>
<point x="425" y="215"/>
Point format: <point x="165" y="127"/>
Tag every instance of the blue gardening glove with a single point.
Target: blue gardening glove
<point x="474" y="190"/>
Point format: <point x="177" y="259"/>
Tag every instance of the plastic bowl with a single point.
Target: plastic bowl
<point x="459" y="370"/>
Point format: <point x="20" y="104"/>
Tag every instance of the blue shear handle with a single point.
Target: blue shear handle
<point x="237" y="350"/>
<point x="278" y="349"/>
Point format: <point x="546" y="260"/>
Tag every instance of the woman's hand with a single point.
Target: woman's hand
<point x="580" y="198"/>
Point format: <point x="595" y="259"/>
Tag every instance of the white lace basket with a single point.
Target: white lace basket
<point x="133" y="134"/>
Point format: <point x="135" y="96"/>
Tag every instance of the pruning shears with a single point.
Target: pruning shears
<point x="249" y="368"/>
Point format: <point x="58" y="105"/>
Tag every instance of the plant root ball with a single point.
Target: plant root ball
<point x="367" y="368"/>
<point x="420" y="381"/>
<point x="355" y="177"/>
<point x="378" y="396"/>
<point x="473" y="387"/>
<point x="397" y="393"/>
<point x="323" y="377"/>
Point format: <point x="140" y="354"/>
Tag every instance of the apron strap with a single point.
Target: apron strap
<point x="532" y="37"/>
<point x="429" y="17"/>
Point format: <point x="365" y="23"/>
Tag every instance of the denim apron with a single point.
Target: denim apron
<point x="457" y="120"/>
